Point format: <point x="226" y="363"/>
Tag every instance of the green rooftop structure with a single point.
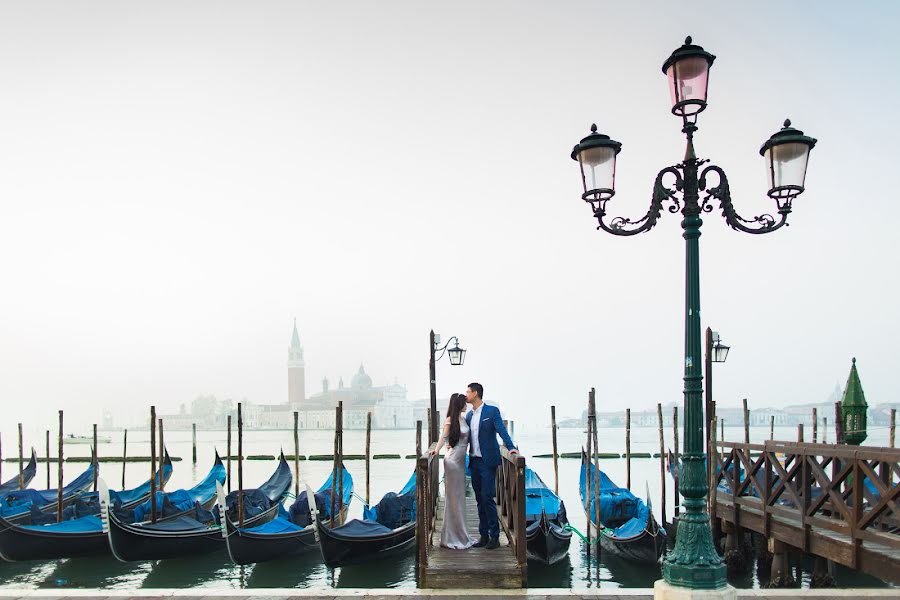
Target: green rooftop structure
<point x="853" y="409"/>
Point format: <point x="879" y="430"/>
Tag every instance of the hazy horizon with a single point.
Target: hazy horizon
<point x="179" y="181"/>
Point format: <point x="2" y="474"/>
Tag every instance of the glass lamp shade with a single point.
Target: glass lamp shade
<point x="688" y="72"/>
<point x="786" y="155"/>
<point x="720" y="352"/>
<point x="457" y="355"/>
<point x="596" y="154"/>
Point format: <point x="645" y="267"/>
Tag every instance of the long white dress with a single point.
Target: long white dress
<point x="454" y="534"/>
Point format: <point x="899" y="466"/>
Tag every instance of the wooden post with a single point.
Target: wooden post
<point x="555" y="452"/>
<point x="677" y="462"/>
<point x="96" y="459"/>
<point x="588" y="449"/>
<point x="48" y="459"/>
<point x="240" y="427"/>
<point x="59" y="473"/>
<point x="153" y="464"/>
<point x="194" y="443"/>
<point x="21" y="462"/>
<point x="800" y="432"/>
<point x="334" y="467"/>
<point x="627" y="448"/>
<point x="815" y="425"/>
<point x="340" y="489"/>
<point x="125" y="456"/>
<point x="228" y="459"/>
<point x="838" y="424"/>
<point x="368" y="451"/>
<point x="596" y="452"/>
<point x="662" y="461"/>
<point x="296" y="454"/>
<point x="162" y="454"/>
<point x="722" y="428"/>
<point x="418" y="438"/>
<point x="824" y="430"/>
<point x="772" y="427"/>
<point x="746" y="423"/>
<point x="893" y="426"/>
<point x="711" y="477"/>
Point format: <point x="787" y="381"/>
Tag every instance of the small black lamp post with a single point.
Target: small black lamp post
<point x="716" y="352"/>
<point x="457" y="357"/>
<point x="694" y="564"/>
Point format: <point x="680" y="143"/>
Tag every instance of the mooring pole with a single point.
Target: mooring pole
<point x="627" y="449"/>
<point x="593" y="401"/>
<point x="368" y="449"/>
<point x="555" y="452"/>
<point x="194" y="443"/>
<point x="162" y="454"/>
<point x="153" y="464"/>
<point x="800" y="432"/>
<point x="228" y="459"/>
<point x="838" y="424"/>
<point x="677" y="462"/>
<point x="48" y="459"/>
<point x="21" y="462"/>
<point x="746" y="423"/>
<point x="662" y="461"/>
<point x="124" y="455"/>
<point x="59" y="473"/>
<point x="772" y="427"/>
<point x="588" y="457"/>
<point x="96" y="458"/>
<point x="340" y="461"/>
<point x="893" y="425"/>
<point x="240" y="427"/>
<point x="824" y="430"/>
<point x="296" y="454"/>
<point x="335" y="466"/>
<point x="815" y="425"/>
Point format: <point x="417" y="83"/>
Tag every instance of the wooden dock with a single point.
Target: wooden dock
<point x="472" y="568"/>
<point x="836" y="502"/>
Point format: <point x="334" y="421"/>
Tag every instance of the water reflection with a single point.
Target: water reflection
<point x="306" y="570"/>
<point x="95" y="572"/>
<point x="393" y="572"/>
<point x="215" y="568"/>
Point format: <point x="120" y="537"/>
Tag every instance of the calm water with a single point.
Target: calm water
<point x="216" y="571"/>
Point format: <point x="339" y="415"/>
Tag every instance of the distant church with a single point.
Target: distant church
<point x="388" y="404"/>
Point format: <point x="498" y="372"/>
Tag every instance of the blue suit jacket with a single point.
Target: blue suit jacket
<point x="491" y="425"/>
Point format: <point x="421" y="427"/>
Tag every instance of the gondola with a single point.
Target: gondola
<point x="546" y="537"/>
<point x="17" y="506"/>
<point x="80" y="534"/>
<point x="386" y="529"/>
<point x="27" y="475"/>
<point x="629" y="530"/>
<point x="190" y="532"/>
<point x="291" y="533"/>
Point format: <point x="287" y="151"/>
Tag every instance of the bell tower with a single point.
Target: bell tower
<point x="296" y="372"/>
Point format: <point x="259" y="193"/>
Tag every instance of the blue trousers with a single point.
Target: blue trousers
<point x="484" y="483"/>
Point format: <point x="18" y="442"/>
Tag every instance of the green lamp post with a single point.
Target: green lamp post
<point x="853" y="409"/>
<point x="694" y="564"/>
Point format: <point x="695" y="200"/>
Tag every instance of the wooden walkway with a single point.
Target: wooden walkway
<point x="836" y="502"/>
<point x="472" y="568"/>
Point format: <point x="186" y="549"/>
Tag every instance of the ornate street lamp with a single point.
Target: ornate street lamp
<point x="694" y="563"/>
<point x="457" y="357"/>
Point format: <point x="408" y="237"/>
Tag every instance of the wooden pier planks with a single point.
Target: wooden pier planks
<point x="472" y="568"/>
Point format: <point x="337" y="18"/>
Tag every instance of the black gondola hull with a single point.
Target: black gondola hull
<point x="18" y="543"/>
<point x="644" y="548"/>
<point x="547" y="544"/>
<point x="338" y="550"/>
<point x="246" y="547"/>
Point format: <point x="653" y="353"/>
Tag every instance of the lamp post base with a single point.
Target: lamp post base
<point x="667" y="591"/>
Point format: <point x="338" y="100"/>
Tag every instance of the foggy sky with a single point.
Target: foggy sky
<point x="180" y="180"/>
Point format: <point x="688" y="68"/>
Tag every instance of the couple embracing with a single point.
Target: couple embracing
<point x="474" y="433"/>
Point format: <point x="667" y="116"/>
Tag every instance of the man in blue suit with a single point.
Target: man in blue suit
<point x="485" y="424"/>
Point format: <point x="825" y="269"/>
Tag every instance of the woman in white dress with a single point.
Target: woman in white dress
<point x="456" y="435"/>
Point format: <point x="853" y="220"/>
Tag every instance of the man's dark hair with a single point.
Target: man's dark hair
<point x="478" y="389"/>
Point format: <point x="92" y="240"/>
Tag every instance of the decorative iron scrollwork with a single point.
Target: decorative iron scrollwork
<point x="764" y="223"/>
<point x="661" y="194"/>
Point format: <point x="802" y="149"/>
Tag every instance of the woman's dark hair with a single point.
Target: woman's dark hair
<point x="456" y="406"/>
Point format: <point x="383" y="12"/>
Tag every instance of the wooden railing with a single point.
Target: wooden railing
<point x="851" y="491"/>
<point x="511" y="502"/>
<point x="427" y="482"/>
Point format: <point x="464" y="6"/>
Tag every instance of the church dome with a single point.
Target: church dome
<point x="361" y="379"/>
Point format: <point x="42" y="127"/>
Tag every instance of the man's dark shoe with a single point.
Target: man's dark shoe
<point x="481" y="543"/>
<point x="492" y="544"/>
